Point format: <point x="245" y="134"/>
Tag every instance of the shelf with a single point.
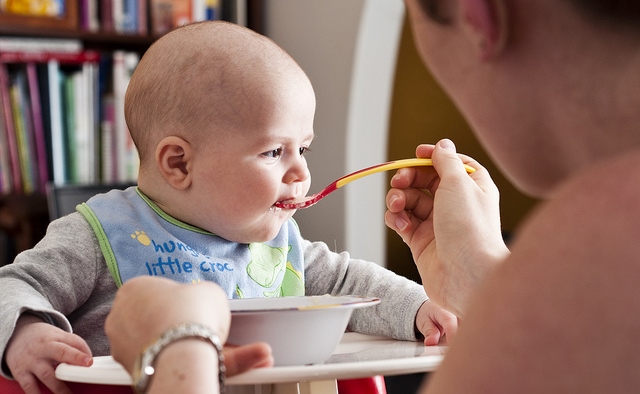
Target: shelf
<point x="91" y="40"/>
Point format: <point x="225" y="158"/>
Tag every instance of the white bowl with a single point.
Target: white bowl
<point x="300" y="330"/>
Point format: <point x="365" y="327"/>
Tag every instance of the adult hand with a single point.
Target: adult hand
<point x="451" y="222"/>
<point x="35" y="350"/>
<point x="145" y="307"/>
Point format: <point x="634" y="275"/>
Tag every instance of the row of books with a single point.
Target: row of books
<point x="62" y="119"/>
<point x="144" y="17"/>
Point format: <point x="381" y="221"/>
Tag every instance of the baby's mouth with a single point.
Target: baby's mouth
<point x="282" y="204"/>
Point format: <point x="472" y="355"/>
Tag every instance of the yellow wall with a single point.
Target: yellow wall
<point x="422" y="113"/>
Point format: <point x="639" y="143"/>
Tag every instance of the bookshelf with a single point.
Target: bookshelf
<point x="23" y="213"/>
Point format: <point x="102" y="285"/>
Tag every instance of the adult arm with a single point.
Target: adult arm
<point x="146" y="307"/>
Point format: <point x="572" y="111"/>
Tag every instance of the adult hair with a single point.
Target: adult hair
<point x="612" y="12"/>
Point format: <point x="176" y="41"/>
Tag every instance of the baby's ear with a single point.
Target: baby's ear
<point x="174" y="160"/>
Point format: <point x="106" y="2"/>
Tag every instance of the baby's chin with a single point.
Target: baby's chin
<point x="263" y="234"/>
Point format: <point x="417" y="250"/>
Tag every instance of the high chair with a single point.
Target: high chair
<point x="370" y="385"/>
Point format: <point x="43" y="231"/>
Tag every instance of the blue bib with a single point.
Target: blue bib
<point x="137" y="238"/>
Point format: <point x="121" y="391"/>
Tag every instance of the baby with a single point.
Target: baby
<point x="221" y="117"/>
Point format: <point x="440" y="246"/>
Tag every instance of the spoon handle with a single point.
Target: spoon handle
<point x="392" y="165"/>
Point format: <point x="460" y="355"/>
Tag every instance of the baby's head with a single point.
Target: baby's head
<point x="221" y="116"/>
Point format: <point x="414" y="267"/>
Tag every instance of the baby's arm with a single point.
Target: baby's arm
<point x="49" y="281"/>
<point x="327" y="272"/>
<point x="36" y="348"/>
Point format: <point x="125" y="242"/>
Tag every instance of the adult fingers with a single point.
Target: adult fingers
<point x="239" y="359"/>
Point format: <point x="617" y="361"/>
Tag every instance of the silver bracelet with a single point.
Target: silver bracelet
<point x="145" y="363"/>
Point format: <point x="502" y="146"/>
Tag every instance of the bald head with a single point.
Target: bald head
<point x="200" y="77"/>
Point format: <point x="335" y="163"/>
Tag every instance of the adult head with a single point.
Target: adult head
<point x="548" y="85"/>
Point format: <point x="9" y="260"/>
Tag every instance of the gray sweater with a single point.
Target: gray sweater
<point x="65" y="280"/>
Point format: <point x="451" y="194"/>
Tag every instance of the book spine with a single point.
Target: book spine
<point x="30" y="137"/>
<point x="42" y="69"/>
<point x="106" y="16"/>
<point x="18" y="105"/>
<point x="130" y="16"/>
<point x="199" y="10"/>
<point x="5" y="163"/>
<point x="213" y="10"/>
<point x="10" y="129"/>
<point x="56" y="123"/>
<point x="119" y="88"/>
<point x="143" y="17"/>
<point x="108" y="151"/>
<point x="94" y="119"/>
<point x="93" y="20"/>
<point x="70" y="127"/>
<point x="161" y="12"/>
<point x="81" y="141"/>
<point x="83" y="14"/>
<point x="118" y="15"/>
<point x="182" y="13"/>
<point x="38" y="126"/>
<point x="123" y="65"/>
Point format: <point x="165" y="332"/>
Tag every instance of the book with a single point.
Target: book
<point x="213" y="10"/>
<point x="106" y="16"/>
<point x="38" y="127"/>
<point x="58" y="152"/>
<point x="108" y="146"/>
<point x="198" y="10"/>
<point x="143" y="18"/>
<point x="84" y="131"/>
<point x="169" y="14"/>
<point x="161" y="12"/>
<point x="14" y="158"/>
<point x="124" y="64"/>
<point x="20" y="108"/>
<point x="51" y="8"/>
<point x="69" y="125"/>
<point x="43" y="87"/>
<point x="5" y="163"/>
<point x="182" y="13"/>
<point x="129" y="16"/>
<point x="88" y="15"/>
<point x="117" y="13"/>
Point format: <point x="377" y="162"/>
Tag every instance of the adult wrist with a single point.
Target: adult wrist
<point x="145" y="365"/>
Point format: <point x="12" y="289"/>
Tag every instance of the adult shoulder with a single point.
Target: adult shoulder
<point x="561" y="315"/>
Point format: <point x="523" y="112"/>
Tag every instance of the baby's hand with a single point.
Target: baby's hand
<point x="434" y="323"/>
<point x="35" y="350"/>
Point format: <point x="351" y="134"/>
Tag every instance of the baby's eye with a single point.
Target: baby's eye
<point x="304" y="150"/>
<point x="273" y="153"/>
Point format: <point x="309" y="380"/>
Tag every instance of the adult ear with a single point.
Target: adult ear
<point x="174" y="159"/>
<point x="486" y="23"/>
